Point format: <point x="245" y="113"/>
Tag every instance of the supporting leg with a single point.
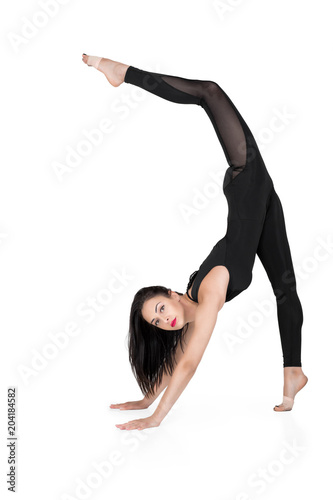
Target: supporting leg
<point x="274" y="253"/>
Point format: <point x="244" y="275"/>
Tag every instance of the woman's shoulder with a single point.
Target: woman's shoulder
<point x="215" y="285"/>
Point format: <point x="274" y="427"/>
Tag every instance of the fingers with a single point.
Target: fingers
<point x="129" y="426"/>
<point x="129" y="405"/>
<point x="121" y="406"/>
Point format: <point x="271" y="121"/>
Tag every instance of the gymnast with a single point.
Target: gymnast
<point x="168" y="330"/>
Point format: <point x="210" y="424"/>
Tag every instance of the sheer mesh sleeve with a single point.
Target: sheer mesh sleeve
<point x="229" y="125"/>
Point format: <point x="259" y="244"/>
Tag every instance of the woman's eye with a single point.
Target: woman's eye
<point x="161" y="310"/>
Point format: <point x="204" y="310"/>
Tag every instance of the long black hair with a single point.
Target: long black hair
<point x="151" y="349"/>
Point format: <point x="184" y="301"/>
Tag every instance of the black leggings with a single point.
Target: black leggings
<point x="256" y="223"/>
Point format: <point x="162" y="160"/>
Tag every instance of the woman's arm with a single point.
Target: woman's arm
<point x="148" y="400"/>
<point x="205" y="320"/>
<point x="179" y="354"/>
<point x="211" y="296"/>
<point x="144" y="403"/>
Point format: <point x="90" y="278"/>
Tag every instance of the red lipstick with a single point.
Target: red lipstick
<point x="173" y="322"/>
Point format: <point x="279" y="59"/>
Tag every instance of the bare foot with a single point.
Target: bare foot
<point x="114" y="71"/>
<point x="294" y="381"/>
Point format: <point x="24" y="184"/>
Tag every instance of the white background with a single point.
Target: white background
<point x="119" y="209"/>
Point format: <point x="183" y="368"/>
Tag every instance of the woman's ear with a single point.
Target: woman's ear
<point x="174" y="295"/>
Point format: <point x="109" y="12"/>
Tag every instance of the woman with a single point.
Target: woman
<point x="169" y="331"/>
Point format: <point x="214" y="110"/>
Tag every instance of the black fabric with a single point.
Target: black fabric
<point x="255" y="222"/>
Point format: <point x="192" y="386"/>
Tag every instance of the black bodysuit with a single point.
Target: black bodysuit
<point x="255" y="224"/>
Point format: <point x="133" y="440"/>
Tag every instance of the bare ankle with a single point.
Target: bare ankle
<point x="293" y="369"/>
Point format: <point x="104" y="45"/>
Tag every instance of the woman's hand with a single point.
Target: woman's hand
<point x="132" y="405"/>
<point x="141" y="423"/>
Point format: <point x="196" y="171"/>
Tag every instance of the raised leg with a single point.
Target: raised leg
<point x="228" y="123"/>
<point x="231" y="129"/>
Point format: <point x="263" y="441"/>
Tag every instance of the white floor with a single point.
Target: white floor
<point x="99" y="196"/>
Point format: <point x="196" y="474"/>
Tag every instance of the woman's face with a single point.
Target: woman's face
<point x="166" y="313"/>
